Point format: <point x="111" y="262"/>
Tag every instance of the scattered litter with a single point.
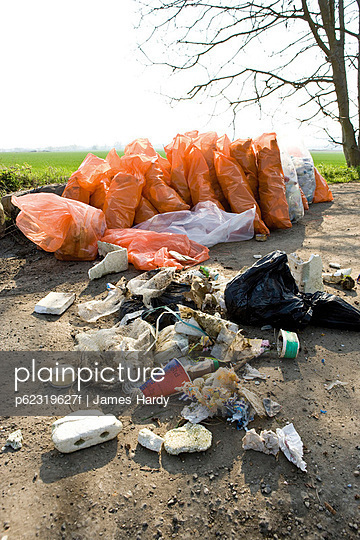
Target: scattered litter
<point x="195" y="413"/>
<point x="82" y="429"/>
<point x="335" y="265"/>
<point x="272" y="408"/>
<point x="291" y="445"/>
<point x="323" y="411"/>
<point x="308" y="275"/>
<point x="203" y="368"/>
<point x="323" y="360"/>
<point x="333" y="384"/>
<point x="189" y="328"/>
<point x="115" y="260"/>
<point x="170" y="344"/>
<point x="341" y="277"/>
<point x="150" y="440"/>
<point x="174" y="376"/>
<point x="239" y="411"/>
<point x="266" y="327"/>
<point x="136" y="341"/>
<point x="222" y="393"/>
<point x="94" y="309"/>
<point x="267" y="442"/>
<point x="14" y="440"/>
<point x="188" y="438"/>
<point x="55" y="303"/>
<point x="150" y="287"/>
<point x="63" y="376"/>
<point x="287" y="344"/>
<point x="257" y="256"/>
<point x="252" y="373"/>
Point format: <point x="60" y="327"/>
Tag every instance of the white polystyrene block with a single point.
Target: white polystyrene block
<point x="307" y="274"/>
<point x="188" y="438"/>
<point x="116" y="260"/>
<point x="75" y="432"/>
<point x="54" y="303"/>
<point x="150" y="440"/>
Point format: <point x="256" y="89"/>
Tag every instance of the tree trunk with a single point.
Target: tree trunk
<point x="336" y="56"/>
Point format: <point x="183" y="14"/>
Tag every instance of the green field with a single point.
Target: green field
<point x="329" y="158"/>
<point x="20" y="170"/>
<point x="67" y="162"/>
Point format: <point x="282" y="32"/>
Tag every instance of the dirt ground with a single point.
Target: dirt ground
<point x="120" y="490"/>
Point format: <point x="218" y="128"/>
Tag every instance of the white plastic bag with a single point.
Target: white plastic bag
<point x="94" y="309"/>
<point x="205" y="224"/>
<point x="293" y="195"/>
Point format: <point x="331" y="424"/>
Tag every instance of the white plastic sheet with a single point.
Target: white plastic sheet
<point x="205" y="224"/>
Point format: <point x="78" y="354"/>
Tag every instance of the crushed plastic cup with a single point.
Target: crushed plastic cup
<point x="175" y="376"/>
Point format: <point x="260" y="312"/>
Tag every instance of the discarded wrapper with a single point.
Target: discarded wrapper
<point x="287" y="344"/>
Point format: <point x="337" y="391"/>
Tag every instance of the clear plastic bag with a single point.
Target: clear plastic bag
<point x="293" y="194"/>
<point x="304" y="166"/>
<point x="205" y="224"/>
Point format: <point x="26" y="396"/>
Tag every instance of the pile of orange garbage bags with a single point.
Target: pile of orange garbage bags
<point x="116" y="193"/>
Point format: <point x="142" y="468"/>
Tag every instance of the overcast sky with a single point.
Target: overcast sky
<point x="72" y="74"/>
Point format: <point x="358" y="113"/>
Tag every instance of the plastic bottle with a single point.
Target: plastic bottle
<point x="202" y="368"/>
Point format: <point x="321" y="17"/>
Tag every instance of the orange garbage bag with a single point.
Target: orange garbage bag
<point x="235" y="186"/>
<point x="144" y="146"/>
<point x="144" y="211"/>
<point x="114" y="162"/>
<point x="122" y="199"/>
<point x="148" y="250"/>
<point x="73" y="190"/>
<point x="272" y="191"/>
<point x="175" y="152"/>
<point x="304" y="199"/>
<point x="322" y="190"/>
<point x="162" y="197"/>
<point x="124" y="194"/>
<point x="198" y="177"/>
<point x="97" y="199"/>
<point x="192" y="134"/>
<point x="69" y="228"/>
<point x="206" y="143"/>
<point x="244" y="153"/>
<point x="90" y="176"/>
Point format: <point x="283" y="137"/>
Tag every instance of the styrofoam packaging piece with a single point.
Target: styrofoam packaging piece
<point x="75" y="432"/>
<point x="188" y="438"/>
<point x="55" y="303"/>
<point x="116" y="260"/>
<point x="14" y="440"/>
<point x="307" y="274"/>
<point x="150" y="440"/>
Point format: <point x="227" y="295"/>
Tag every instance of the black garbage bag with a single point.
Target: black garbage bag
<point x="332" y="311"/>
<point x="171" y="297"/>
<point x="132" y="305"/>
<point x="149" y="315"/>
<point x="267" y="293"/>
<point x="174" y="294"/>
